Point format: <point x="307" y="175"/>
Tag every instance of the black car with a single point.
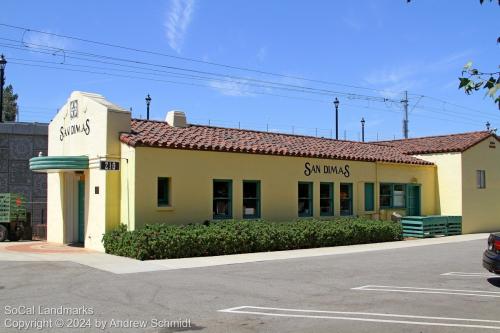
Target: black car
<point x="491" y="257"/>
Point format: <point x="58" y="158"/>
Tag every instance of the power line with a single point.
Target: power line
<point x="178" y="75"/>
<point x="242" y="80"/>
<point x="465" y="121"/>
<point x="449" y="103"/>
<point x="157" y="80"/>
<point x="250" y="91"/>
<point x="233" y="79"/>
<point x="25" y="29"/>
<point x="454" y="114"/>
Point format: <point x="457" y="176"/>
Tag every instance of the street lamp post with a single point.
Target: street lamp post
<point x="3" y="62"/>
<point x="148" y="101"/>
<point x="363" y="129"/>
<point x="336" y="103"/>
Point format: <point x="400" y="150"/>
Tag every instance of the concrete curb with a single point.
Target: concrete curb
<point x="121" y="265"/>
<point x="305" y="253"/>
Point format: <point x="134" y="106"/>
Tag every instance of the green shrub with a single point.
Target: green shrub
<point x="161" y="241"/>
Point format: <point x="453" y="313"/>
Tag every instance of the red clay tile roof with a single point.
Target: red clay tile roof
<point x="438" y="144"/>
<point x="151" y="133"/>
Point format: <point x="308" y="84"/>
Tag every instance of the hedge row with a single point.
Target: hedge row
<point x="161" y="241"/>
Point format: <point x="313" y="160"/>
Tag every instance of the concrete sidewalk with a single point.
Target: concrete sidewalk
<point x="121" y="265"/>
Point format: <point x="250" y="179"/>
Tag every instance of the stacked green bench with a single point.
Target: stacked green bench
<point x="454" y="226"/>
<point x="423" y="226"/>
<point x="431" y="226"/>
<point x="12" y="207"/>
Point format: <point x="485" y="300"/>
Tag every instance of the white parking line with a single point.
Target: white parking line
<point x="366" y="317"/>
<point x="479" y="293"/>
<point x="464" y="274"/>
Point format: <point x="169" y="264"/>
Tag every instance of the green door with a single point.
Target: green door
<point x="81" y="211"/>
<point x="413" y="200"/>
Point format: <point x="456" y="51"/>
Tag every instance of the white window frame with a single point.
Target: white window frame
<point x="481" y="179"/>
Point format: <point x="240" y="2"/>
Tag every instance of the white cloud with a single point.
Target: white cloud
<point x="244" y="87"/>
<point x="231" y="88"/>
<point x="394" y="80"/>
<point x="262" y="54"/>
<point x="454" y="60"/>
<point x="389" y="76"/>
<point x="177" y="22"/>
<point x="39" y="40"/>
<point x="351" y="23"/>
<point x="395" y="91"/>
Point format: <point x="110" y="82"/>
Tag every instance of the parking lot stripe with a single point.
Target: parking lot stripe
<point x="464" y="274"/>
<point x="479" y="293"/>
<point x="366" y="317"/>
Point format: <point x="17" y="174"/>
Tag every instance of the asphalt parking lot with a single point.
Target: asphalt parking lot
<point x="434" y="288"/>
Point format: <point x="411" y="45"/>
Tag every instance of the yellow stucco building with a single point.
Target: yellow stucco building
<point x="105" y="168"/>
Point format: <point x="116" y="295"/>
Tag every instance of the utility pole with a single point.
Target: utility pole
<point x="405" y="120"/>
<point x="3" y="62"/>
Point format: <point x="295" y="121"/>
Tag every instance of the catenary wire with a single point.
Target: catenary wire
<point x="232" y="77"/>
<point x="26" y="29"/>
<point x="241" y="82"/>
<point x="257" y="92"/>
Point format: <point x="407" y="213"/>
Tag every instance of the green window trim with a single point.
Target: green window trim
<point x="369" y="197"/>
<point x="221" y="202"/>
<point x="257" y="213"/>
<point x="163" y="192"/>
<point x="305" y="203"/>
<point x="326" y="199"/>
<point x="349" y="199"/>
<point x="388" y="199"/>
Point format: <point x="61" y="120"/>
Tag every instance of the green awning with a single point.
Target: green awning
<point x="59" y="163"/>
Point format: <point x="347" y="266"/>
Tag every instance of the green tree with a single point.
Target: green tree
<point x="473" y="79"/>
<point x="10" y="107"/>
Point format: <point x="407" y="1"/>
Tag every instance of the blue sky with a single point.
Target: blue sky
<point x="387" y="46"/>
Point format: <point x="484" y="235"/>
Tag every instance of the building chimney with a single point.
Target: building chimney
<point x="176" y="119"/>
